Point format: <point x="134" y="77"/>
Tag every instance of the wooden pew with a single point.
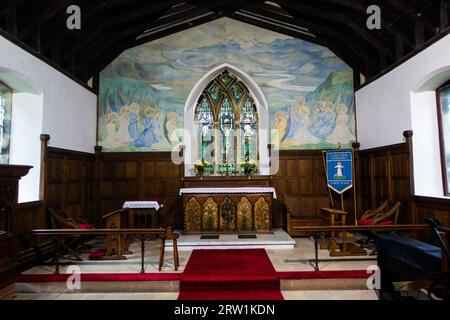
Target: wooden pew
<point x="163" y="233"/>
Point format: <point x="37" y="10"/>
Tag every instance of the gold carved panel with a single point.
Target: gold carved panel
<point x="210" y="221"/>
<point x="192" y="216"/>
<point x="227" y="215"/>
<point x="262" y="215"/>
<point x="244" y="215"/>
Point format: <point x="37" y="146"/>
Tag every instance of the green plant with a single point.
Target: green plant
<point x="249" y="167"/>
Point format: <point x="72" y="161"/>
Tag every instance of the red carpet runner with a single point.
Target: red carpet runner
<point x="236" y="274"/>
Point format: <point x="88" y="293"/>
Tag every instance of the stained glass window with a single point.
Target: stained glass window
<point x="248" y="126"/>
<point x="227" y="161"/>
<point x="444" y="132"/>
<point x="227" y="125"/>
<point x="5" y="122"/>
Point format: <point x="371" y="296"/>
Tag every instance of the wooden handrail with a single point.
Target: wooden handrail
<point x="164" y="233"/>
<point x="393" y="227"/>
<point x="98" y="231"/>
<point x="114" y="212"/>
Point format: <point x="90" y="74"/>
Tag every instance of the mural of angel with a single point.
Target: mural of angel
<point x="341" y="132"/>
<point x="325" y="120"/>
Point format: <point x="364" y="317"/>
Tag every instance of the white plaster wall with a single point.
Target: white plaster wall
<point x="405" y="99"/>
<point x="383" y="107"/>
<point x="26" y="127"/>
<point x="69" y="110"/>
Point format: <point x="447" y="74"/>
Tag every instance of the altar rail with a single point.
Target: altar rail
<point x="317" y="231"/>
<point x="161" y="232"/>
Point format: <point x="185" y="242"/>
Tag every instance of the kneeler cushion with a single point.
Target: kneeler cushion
<point x="369" y="221"/>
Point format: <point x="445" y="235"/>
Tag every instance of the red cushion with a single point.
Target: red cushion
<point x="369" y="221"/>
<point x="86" y="226"/>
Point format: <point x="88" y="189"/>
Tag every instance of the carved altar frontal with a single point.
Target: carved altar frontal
<point x="246" y="207"/>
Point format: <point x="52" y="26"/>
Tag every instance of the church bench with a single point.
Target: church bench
<point x="163" y="233"/>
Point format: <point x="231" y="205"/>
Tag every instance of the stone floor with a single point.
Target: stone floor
<point x="283" y="260"/>
<point x="288" y="295"/>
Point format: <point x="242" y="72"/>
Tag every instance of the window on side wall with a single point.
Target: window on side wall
<point x="5" y="122"/>
<point x="443" y="104"/>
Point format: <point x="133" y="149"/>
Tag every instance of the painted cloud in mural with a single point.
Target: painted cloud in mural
<point x="308" y="89"/>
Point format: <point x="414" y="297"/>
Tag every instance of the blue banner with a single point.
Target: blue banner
<point x="339" y="170"/>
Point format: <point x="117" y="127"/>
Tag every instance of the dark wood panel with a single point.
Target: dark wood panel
<point x="140" y="176"/>
<point x="384" y="174"/>
<point x="9" y="185"/>
<point x="438" y="208"/>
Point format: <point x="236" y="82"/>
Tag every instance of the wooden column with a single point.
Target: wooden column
<point x="445" y="16"/>
<point x="411" y="206"/>
<point x="356" y="174"/>
<point x="45" y="138"/>
<point x="408" y="136"/>
<point x="97" y="184"/>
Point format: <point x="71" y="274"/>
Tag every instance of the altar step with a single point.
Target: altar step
<point x="172" y="286"/>
<point x="278" y="239"/>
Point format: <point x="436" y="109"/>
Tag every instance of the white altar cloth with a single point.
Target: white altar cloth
<point x="142" y="205"/>
<point x="230" y="190"/>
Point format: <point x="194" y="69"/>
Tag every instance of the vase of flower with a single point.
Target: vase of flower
<point x="249" y="168"/>
<point x="199" y="168"/>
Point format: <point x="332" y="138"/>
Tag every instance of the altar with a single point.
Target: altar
<point x="227" y="204"/>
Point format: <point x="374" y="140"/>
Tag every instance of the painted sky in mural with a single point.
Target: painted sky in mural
<point x="308" y="89"/>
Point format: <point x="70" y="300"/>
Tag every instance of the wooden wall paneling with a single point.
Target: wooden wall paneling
<point x="68" y="181"/>
<point x="438" y="208"/>
<point x="300" y="183"/>
<point x="140" y="176"/>
<point x="385" y="175"/>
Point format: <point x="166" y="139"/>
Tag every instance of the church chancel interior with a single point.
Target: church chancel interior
<point x="227" y="150"/>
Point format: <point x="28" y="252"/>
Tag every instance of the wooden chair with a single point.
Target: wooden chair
<point x="61" y="219"/>
<point x="386" y="214"/>
<point x="369" y="213"/>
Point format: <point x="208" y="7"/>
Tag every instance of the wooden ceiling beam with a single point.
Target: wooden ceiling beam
<point x="46" y="15"/>
<point x="365" y="36"/>
<point x="405" y="9"/>
<point x="150" y="12"/>
<point x="444" y="10"/>
<point x="387" y="18"/>
<point x="9" y="4"/>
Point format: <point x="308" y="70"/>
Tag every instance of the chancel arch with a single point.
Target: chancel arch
<point x="231" y="104"/>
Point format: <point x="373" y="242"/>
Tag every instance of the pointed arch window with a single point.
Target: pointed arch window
<point x="227" y="125"/>
<point x="5" y="121"/>
<point x="443" y="103"/>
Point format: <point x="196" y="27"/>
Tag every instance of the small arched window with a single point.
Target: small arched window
<point x="443" y="104"/>
<point x="226" y="125"/>
<point x="5" y="121"/>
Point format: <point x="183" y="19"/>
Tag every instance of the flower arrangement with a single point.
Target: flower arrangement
<point x="249" y="167"/>
<point x="199" y="167"/>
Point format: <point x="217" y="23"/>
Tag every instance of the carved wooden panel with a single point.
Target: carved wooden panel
<point x="227" y="215"/>
<point x="210" y="216"/>
<point x="244" y="215"/>
<point x="192" y="216"/>
<point x="262" y="215"/>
